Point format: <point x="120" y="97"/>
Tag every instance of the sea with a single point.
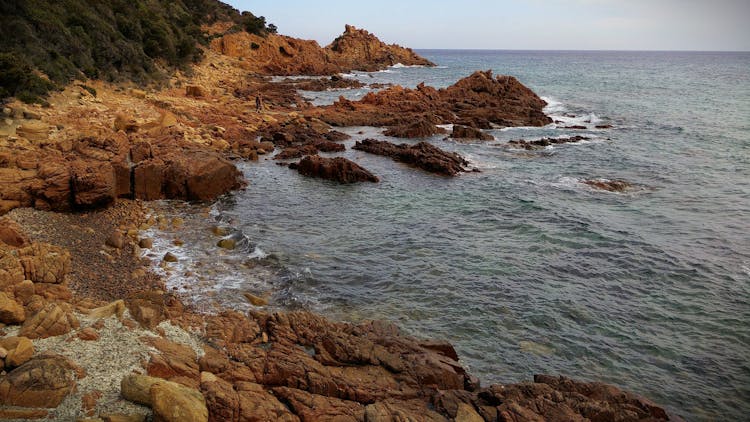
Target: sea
<point x="522" y="266"/>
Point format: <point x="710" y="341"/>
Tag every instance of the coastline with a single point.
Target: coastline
<point x="245" y="366"/>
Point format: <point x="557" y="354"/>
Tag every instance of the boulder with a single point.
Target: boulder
<point x="11" y="312"/>
<point x="116" y="240"/>
<point x="173" y="361"/>
<point x="19" y="351"/>
<point x="338" y="169"/>
<point x="152" y="307"/>
<point x="11" y="270"/>
<point x="11" y="233"/>
<point x="56" y="190"/>
<point x="41" y="382"/>
<point x="93" y="184"/>
<point x="176" y="403"/>
<point x="242" y="401"/>
<point x="423" y="155"/>
<point x="52" y="320"/>
<point x="466" y="132"/>
<point x="125" y="123"/>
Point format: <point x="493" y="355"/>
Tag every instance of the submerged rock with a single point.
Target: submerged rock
<point x="466" y="132"/>
<point x="423" y="155"/>
<point x="608" y="185"/>
<point x="338" y="169"/>
<point x="545" y="142"/>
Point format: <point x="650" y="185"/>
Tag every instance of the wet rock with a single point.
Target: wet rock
<point x="19" y="350"/>
<point x="228" y="244"/>
<point x="338" y="169"/>
<point x="41" y="382"/>
<point x="146" y="243"/>
<point x="422" y="128"/>
<point x="576" y="127"/>
<point x="609" y="185"/>
<point x="52" y="320"/>
<point x="465" y="132"/>
<point x="423" y="155"/>
<point x="170" y="257"/>
<point x="336" y="136"/>
<point x="545" y="142"/>
<point x="11" y="312"/>
<point x="255" y="300"/>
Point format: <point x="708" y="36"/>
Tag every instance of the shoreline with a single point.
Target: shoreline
<point x="224" y="365"/>
<point x="392" y="374"/>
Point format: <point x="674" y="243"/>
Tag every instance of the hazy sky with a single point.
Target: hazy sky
<point x="520" y="24"/>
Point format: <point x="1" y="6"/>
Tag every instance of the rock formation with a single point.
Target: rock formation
<point x="423" y="155"/>
<point x="355" y="49"/>
<point x="338" y="169"/>
<point x="545" y="142"/>
<point x="480" y="99"/>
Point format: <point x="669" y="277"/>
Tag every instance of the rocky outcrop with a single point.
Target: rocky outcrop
<point x="544" y="142"/>
<point x="423" y="155"/>
<point x="338" y="169"/>
<point x="465" y="132"/>
<point x="52" y="320"/>
<point x="609" y="185"/>
<point x="355" y="49"/>
<point x="421" y="128"/>
<point x="481" y="99"/>
<point x="44" y="263"/>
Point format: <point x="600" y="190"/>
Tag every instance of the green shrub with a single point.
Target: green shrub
<point x="113" y="40"/>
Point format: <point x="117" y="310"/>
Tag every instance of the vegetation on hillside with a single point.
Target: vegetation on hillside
<point x="48" y="43"/>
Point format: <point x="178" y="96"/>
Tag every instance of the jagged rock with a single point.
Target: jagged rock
<point x="423" y="155"/>
<point x="544" y="142"/>
<point x="93" y="184"/>
<point x="231" y="327"/>
<point x="338" y="169"/>
<point x="41" y="382"/>
<point x="174" y="362"/>
<point x="56" y="189"/>
<point x="466" y="132"/>
<point x="44" y="263"/>
<point x="11" y="233"/>
<point x="52" y="320"/>
<point x="422" y="128"/>
<point x="609" y="185"/>
<point x="19" y="351"/>
<point x="501" y="100"/>
<point x="11" y="270"/>
<point x="11" y="312"/>
<point x="357" y="49"/>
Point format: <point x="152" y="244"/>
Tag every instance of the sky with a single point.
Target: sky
<point x="520" y="24"/>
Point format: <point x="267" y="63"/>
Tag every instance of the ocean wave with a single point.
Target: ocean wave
<point x="403" y="66"/>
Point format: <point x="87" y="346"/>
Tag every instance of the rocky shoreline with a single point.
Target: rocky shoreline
<point x="89" y="331"/>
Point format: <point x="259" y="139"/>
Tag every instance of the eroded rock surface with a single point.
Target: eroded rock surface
<point x="423" y="155"/>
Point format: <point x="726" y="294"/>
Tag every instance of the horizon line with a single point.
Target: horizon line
<point x="580" y="50"/>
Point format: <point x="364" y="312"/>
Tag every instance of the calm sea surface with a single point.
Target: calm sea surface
<point x="524" y="268"/>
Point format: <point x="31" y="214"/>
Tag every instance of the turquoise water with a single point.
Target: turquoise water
<point x="522" y="267"/>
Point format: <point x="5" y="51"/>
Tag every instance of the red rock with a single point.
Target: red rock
<point x="423" y="155"/>
<point x="242" y="401"/>
<point x="174" y="362"/>
<point x="422" y="128"/>
<point x="11" y="233"/>
<point x="153" y="307"/>
<point x="338" y="169"/>
<point x="44" y="263"/>
<point x="56" y="188"/>
<point x="465" y="132"/>
<point x="357" y="49"/>
<point x="89" y="400"/>
<point x="88" y="334"/>
<point x="41" y="382"/>
<point x="52" y="320"/>
<point x="19" y="350"/>
<point x="11" y="312"/>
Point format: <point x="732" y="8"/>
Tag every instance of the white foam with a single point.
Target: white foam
<point x="403" y="66"/>
<point x="553" y="106"/>
<point x="258" y="253"/>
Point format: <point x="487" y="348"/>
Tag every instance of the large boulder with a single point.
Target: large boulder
<point x="11" y="233"/>
<point x="176" y="403"/>
<point x="11" y="312"/>
<point x="423" y="155"/>
<point x="338" y="169"/>
<point x="19" y="350"/>
<point x="44" y="263"/>
<point x="41" y="382"/>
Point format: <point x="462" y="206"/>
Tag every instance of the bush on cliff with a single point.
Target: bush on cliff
<point x="114" y="40"/>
